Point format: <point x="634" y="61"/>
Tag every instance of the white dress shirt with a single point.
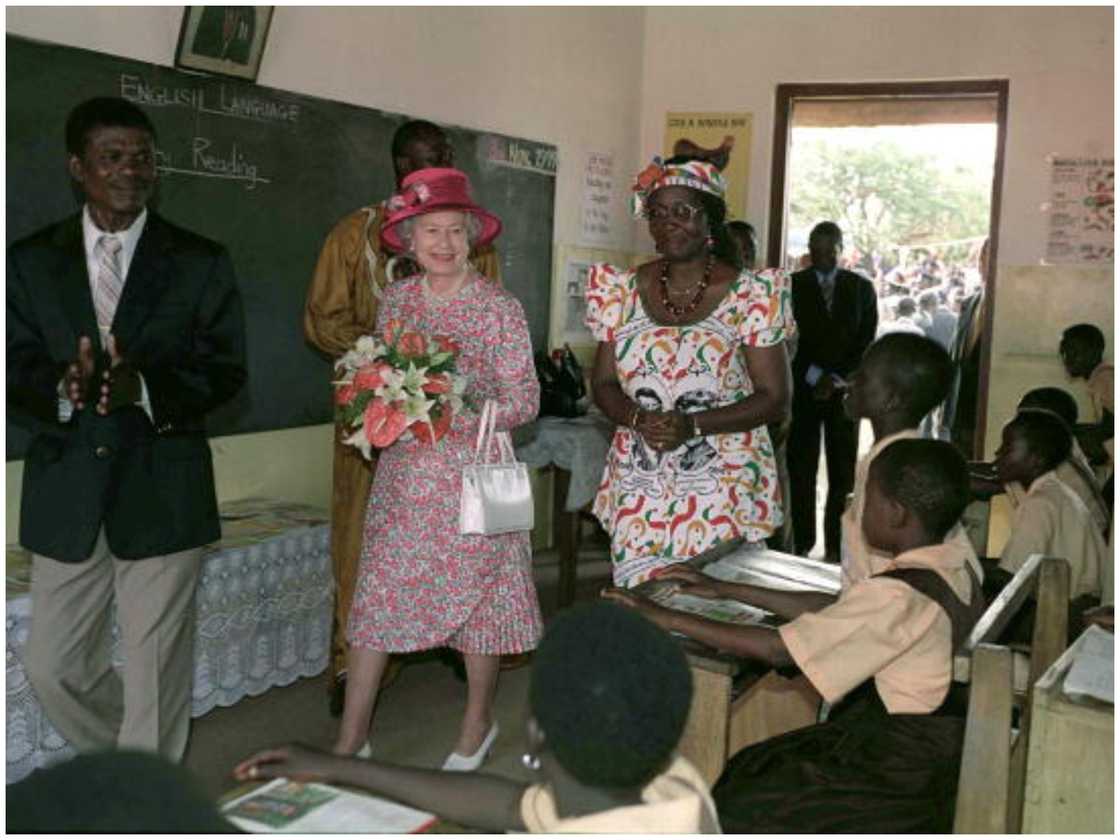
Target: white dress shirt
<point x="129" y="238"/>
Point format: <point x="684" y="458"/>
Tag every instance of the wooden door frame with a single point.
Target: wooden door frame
<point x="783" y="111"/>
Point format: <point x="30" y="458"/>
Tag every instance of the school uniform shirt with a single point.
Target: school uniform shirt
<point x="858" y="560"/>
<point x="884" y="628"/>
<point x="1074" y="477"/>
<point x="1102" y="384"/>
<point x="1052" y="520"/>
<point x="675" y="802"/>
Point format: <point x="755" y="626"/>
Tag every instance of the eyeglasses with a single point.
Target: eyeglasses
<point x="679" y="210"/>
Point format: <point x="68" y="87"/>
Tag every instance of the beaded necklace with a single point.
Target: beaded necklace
<point x="679" y="312"/>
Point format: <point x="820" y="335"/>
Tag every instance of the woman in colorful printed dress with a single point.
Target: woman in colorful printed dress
<point x="421" y="583"/>
<point x="691" y="365"/>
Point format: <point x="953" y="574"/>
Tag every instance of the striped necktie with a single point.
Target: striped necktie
<point x="110" y="282"/>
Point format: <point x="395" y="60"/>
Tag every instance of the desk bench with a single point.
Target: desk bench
<point x="263" y="619"/>
<point x="733" y="707"/>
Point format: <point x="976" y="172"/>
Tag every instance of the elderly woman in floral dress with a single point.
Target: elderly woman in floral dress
<point x="421" y="583"/>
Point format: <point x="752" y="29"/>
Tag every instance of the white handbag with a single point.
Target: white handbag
<point x="496" y="498"/>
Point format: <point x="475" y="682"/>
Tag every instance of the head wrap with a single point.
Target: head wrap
<point x="697" y="174"/>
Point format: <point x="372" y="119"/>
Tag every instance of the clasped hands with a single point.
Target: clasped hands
<point x="663" y="430"/>
<point x="119" y="382"/>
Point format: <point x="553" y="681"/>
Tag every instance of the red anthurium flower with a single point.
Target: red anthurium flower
<point x="391" y="329"/>
<point x="445" y="343"/>
<point x="383" y="423"/>
<point x="343" y="394"/>
<point x="437" y="383"/>
<point x="411" y="344"/>
<point x="369" y="377"/>
<point x="441" y="424"/>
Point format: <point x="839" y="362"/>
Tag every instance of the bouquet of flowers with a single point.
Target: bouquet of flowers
<point x="398" y="386"/>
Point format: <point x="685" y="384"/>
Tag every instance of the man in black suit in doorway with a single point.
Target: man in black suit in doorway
<point x="836" y="314"/>
<point x="123" y="332"/>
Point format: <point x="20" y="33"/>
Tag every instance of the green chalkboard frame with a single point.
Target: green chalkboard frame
<point x="267" y="172"/>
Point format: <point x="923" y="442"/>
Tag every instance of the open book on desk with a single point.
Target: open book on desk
<point x="284" y="806"/>
<point x="772" y="570"/>
<point x="732" y="612"/>
<point x="756" y="567"/>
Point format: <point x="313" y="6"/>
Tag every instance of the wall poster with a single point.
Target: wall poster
<point x="1082" y="210"/>
<point x="710" y="132"/>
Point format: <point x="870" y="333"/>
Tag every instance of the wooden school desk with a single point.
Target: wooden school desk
<point x="733" y="704"/>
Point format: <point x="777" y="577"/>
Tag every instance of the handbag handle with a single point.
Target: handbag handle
<point x="486" y="434"/>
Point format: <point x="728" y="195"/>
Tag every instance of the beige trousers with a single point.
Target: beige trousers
<point x="147" y="706"/>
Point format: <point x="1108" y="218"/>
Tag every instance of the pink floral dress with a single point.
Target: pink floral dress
<point x="662" y="508"/>
<point x="422" y="584"/>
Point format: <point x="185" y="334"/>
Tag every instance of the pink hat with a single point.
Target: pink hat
<point x="431" y="190"/>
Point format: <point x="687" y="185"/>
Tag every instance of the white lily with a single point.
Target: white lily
<point x="414" y="379"/>
<point x="359" y="440"/>
<point x="417" y="407"/>
<point x="393" y="387"/>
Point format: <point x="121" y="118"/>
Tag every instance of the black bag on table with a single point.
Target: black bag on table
<point x="561" y="379"/>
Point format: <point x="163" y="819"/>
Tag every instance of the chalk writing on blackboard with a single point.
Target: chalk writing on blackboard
<point x="520" y="154"/>
<point x="229" y="103"/>
<point x="208" y="162"/>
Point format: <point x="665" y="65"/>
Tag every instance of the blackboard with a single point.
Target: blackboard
<point x="268" y="173"/>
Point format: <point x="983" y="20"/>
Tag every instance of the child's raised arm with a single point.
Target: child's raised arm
<point x="477" y="800"/>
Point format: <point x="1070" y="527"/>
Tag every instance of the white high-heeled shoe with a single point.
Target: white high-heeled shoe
<point x="365" y="752"/>
<point x="466" y="763"/>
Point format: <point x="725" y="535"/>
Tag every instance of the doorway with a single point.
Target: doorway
<point x="912" y="174"/>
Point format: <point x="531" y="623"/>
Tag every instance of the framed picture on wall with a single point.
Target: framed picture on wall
<point x="227" y="40"/>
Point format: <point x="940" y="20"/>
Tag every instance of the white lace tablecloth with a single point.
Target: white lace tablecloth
<point x="576" y="444"/>
<point x="263" y="619"/>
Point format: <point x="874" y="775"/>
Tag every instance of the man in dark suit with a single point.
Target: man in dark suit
<point x="836" y="316"/>
<point x="123" y="332"/>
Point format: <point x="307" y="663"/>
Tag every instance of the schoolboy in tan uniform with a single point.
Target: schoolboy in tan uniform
<point x="888" y="758"/>
<point x="1051" y="519"/>
<point x="901" y="378"/>
<point x="1082" y="353"/>
<point x="341" y="306"/>
<point x="1075" y="472"/>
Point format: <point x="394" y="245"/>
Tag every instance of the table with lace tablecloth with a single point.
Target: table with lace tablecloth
<point x="262" y="619"/>
<point x="576" y="449"/>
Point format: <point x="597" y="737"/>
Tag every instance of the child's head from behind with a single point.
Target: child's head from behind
<point x="901" y="373"/>
<point x="1081" y="349"/>
<point x="1033" y="443"/>
<point x="916" y="492"/>
<point x="610" y="692"/>
<point x="1056" y="401"/>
